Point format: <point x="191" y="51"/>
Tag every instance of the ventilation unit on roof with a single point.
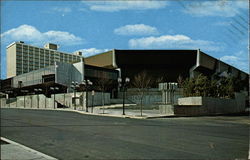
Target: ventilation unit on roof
<point x="51" y="46"/>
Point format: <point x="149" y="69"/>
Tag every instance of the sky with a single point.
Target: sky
<point x="219" y="28"/>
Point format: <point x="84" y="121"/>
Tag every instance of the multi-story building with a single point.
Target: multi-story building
<point x="23" y="58"/>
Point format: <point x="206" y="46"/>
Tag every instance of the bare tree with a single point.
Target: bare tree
<point x="103" y="85"/>
<point x="159" y="80"/>
<point x="180" y="81"/>
<point x="142" y="83"/>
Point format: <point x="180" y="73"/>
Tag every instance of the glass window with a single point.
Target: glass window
<point x="19" y="49"/>
<point x="18" y="45"/>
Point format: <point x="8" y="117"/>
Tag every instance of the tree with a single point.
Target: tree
<point x="188" y="87"/>
<point x="213" y="89"/>
<point x="180" y="81"/>
<point x="103" y="85"/>
<point x="226" y="87"/>
<point x="142" y="83"/>
<point x="198" y="86"/>
<point x="203" y="86"/>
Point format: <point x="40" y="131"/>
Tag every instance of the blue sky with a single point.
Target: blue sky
<point x="218" y="27"/>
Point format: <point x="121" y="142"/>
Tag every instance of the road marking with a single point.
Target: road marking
<point x="28" y="149"/>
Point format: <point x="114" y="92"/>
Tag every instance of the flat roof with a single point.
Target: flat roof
<point x="13" y="43"/>
<point x="130" y="52"/>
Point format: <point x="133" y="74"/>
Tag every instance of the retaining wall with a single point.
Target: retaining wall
<point x="41" y="101"/>
<point x="205" y="106"/>
<point x="151" y="96"/>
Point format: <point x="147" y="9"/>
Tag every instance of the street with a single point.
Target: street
<point x="69" y="135"/>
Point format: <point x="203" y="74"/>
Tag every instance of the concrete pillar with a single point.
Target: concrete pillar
<point x="168" y="92"/>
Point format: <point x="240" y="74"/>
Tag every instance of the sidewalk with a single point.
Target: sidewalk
<point x="129" y="113"/>
<point x="11" y="150"/>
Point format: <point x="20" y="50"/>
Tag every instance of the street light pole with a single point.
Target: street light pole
<point x="87" y="83"/>
<point x="93" y="93"/>
<point x="8" y="93"/>
<point x="122" y="85"/>
<point x="54" y="90"/>
<point x="54" y="100"/>
<point x="87" y="96"/>
<point x="24" y="101"/>
<point x="74" y="86"/>
<point x="123" y="101"/>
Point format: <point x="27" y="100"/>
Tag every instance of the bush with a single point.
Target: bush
<point x="202" y="86"/>
<point x="226" y="88"/>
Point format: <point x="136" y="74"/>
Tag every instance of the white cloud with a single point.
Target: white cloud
<point x="239" y="60"/>
<point x="136" y="29"/>
<point x="230" y="58"/>
<point x="172" y="42"/>
<point x="113" y="6"/>
<point x="223" y="23"/>
<point x="61" y="9"/>
<point x="223" y="8"/>
<point x="34" y="36"/>
<point x="92" y="51"/>
<point x="82" y="9"/>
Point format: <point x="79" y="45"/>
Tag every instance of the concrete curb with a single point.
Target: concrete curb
<point x="123" y="116"/>
<point x="109" y="115"/>
<point x="27" y="149"/>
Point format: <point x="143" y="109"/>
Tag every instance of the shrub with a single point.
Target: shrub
<point x="202" y="86"/>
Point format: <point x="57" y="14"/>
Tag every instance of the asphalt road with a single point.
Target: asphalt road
<point x="69" y="135"/>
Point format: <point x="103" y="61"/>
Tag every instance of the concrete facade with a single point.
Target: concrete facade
<point x="170" y="92"/>
<point x="166" y="109"/>
<point x="64" y="74"/>
<point x="32" y="78"/>
<point x="152" y="96"/>
<point x="195" y="106"/>
<point x="40" y="101"/>
<point x="214" y="105"/>
<point x="102" y="60"/>
<point x="12" y="62"/>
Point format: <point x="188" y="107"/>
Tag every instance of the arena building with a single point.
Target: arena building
<point x="30" y="67"/>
